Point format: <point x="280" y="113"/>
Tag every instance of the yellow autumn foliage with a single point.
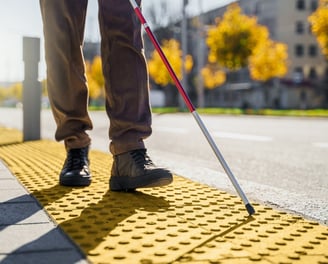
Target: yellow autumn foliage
<point x="212" y="76"/>
<point x="319" y="25"/>
<point x="238" y="41"/>
<point x="173" y="53"/>
<point x="95" y="78"/>
<point x="14" y="91"/>
<point x="233" y="39"/>
<point x="269" y="60"/>
<point x="17" y="90"/>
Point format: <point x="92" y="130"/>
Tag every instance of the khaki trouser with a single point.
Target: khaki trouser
<point x="124" y="67"/>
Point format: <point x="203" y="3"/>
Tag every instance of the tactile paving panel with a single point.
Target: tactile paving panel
<point x="185" y="222"/>
<point x="10" y="136"/>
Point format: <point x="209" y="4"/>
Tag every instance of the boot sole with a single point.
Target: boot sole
<point x="77" y="181"/>
<point x="126" y="183"/>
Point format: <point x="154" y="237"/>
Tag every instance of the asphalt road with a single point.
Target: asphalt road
<point x="279" y="161"/>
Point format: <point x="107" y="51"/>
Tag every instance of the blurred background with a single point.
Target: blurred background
<point x="247" y="55"/>
<point x="242" y="58"/>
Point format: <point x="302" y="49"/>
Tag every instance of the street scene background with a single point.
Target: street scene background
<point x="279" y="160"/>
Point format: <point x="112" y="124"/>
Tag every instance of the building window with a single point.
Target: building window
<point x="298" y="69"/>
<point x="300" y="4"/>
<point x="257" y="8"/>
<point x="313" y="51"/>
<point x="312" y="73"/>
<point x="310" y="29"/>
<point x="299" y="27"/>
<point x="298" y="74"/>
<point x="299" y="50"/>
<point x="314" y="5"/>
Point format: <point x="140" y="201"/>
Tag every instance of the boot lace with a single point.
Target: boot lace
<point x="141" y="158"/>
<point x="76" y="159"/>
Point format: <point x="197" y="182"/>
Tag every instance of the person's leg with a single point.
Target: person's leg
<point x="127" y="101"/>
<point x="63" y="25"/>
<point x="126" y="76"/>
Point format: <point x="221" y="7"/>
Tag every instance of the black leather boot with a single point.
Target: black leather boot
<point x="134" y="170"/>
<point x="76" y="171"/>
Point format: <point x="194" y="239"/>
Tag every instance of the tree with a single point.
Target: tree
<point x="44" y="89"/>
<point x="173" y="53"/>
<point x="319" y="25"/>
<point x="15" y="91"/>
<point x="233" y="39"/>
<point x="268" y="61"/>
<point x="213" y="76"/>
<point x="95" y="78"/>
<point x="158" y="13"/>
<point x="238" y="41"/>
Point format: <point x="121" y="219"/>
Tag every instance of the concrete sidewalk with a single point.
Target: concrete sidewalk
<point x="27" y="234"/>
<point x="186" y="222"/>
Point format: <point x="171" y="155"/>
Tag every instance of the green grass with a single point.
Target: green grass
<point x="236" y="111"/>
<point x="96" y="108"/>
<point x="309" y="113"/>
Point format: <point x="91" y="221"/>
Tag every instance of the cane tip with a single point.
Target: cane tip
<point x="250" y="209"/>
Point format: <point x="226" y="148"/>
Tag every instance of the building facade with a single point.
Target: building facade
<point x="287" y="22"/>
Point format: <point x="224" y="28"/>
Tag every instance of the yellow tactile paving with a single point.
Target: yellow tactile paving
<point x="10" y="136"/>
<point x="185" y="222"/>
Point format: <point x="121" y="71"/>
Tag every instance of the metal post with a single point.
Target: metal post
<point x="31" y="89"/>
<point x="200" y="58"/>
<point x="184" y="36"/>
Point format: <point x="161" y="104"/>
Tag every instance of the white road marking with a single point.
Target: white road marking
<point x="229" y="135"/>
<point x="171" y="130"/>
<point x="320" y="144"/>
<point x="239" y="136"/>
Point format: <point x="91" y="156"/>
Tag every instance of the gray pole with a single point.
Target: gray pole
<point x="184" y="51"/>
<point x="200" y="58"/>
<point x="31" y="89"/>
